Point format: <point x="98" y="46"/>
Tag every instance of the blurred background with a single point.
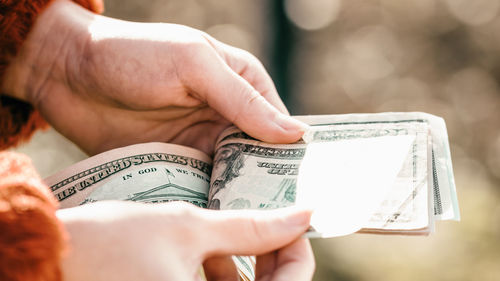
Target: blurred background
<point x="345" y="56"/>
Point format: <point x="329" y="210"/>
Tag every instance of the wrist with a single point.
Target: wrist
<point x="59" y="33"/>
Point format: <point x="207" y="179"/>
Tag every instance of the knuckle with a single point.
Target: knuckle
<point x="181" y="217"/>
<point x="181" y="211"/>
<point x="251" y="97"/>
<point x="256" y="230"/>
<point x="182" y="208"/>
<point x="252" y="60"/>
<point x="247" y="55"/>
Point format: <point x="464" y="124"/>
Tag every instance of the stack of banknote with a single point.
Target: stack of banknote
<point x="400" y="159"/>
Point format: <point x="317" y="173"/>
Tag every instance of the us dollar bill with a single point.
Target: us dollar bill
<point x="252" y="174"/>
<point x="147" y="173"/>
<point x="150" y="173"/>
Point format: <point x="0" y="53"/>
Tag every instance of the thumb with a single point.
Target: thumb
<point x="238" y="101"/>
<point x="251" y="232"/>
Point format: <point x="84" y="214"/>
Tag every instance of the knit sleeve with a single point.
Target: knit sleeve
<point x="18" y="119"/>
<point x="32" y="239"/>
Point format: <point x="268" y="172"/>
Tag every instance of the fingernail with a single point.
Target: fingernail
<point x="299" y="218"/>
<point x="291" y="124"/>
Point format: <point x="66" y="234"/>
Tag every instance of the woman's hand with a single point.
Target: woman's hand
<point x="105" y="83"/>
<point x="132" y="241"/>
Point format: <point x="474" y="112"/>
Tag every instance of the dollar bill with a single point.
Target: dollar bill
<point x="147" y="173"/>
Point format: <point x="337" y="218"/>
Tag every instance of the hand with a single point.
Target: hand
<point x="132" y="241"/>
<point x="105" y="83"/>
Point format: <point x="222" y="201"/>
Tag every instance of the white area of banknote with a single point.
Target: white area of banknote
<point x="344" y="182"/>
<point x="445" y="196"/>
<point x="407" y="203"/>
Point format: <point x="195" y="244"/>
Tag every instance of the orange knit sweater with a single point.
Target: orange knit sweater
<point x="31" y="237"/>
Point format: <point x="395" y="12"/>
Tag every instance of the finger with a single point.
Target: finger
<point x="293" y="262"/>
<point x="235" y="99"/>
<point x="251" y="69"/>
<point x="250" y="232"/>
<point x="266" y="265"/>
<point x="220" y="268"/>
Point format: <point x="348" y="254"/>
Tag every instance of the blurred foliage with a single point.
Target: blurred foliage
<point x="334" y="56"/>
<point x="343" y="56"/>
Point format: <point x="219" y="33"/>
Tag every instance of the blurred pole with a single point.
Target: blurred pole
<point x="282" y="46"/>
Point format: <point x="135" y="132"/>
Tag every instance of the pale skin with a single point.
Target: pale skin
<point x="105" y="83"/>
<point x="128" y="241"/>
<point x="118" y="82"/>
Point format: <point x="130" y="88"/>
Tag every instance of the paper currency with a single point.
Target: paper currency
<point x="148" y="173"/>
<point x="151" y="173"/>
<point x="353" y="183"/>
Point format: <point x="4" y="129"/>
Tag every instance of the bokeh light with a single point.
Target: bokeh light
<point x="312" y="15"/>
<point x="372" y="52"/>
<point x="474" y="12"/>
